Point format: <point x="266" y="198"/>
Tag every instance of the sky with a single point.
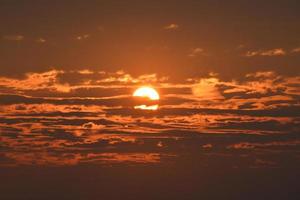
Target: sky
<point x="227" y="73"/>
<point x="231" y="38"/>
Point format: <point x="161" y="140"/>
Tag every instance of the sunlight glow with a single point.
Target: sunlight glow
<point x="146" y="92"/>
<point x="144" y="107"/>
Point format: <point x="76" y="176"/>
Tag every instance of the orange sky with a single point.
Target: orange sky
<point x="227" y="73"/>
<point x="224" y="123"/>
<point x="181" y="39"/>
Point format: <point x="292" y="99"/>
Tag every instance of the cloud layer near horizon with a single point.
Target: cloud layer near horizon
<point x="73" y="117"/>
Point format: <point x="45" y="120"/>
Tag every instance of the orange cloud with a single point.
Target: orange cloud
<point x="271" y="52"/>
<point x="171" y="26"/>
<point x="296" y="50"/>
<point x="249" y="145"/>
<point x="207" y="146"/>
<point x="40" y="40"/>
<point x="206" y="88"/>
<point x="83" y="37"/>
<point x="197" y="52"/>
<point x="35" y="81"/>
<point x="91" y="125"/>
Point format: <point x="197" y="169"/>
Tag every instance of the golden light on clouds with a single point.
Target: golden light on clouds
<point x="145" y="107"/>
<point x="148" y="93"/>
<point x="149" y="99"/>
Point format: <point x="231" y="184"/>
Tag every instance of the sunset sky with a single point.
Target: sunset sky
<point x="227" y="77"/>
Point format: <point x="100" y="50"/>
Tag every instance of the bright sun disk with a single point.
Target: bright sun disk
<point x="148" y="92"/>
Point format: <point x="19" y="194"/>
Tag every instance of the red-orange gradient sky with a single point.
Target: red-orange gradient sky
<point x="227" y="73"/>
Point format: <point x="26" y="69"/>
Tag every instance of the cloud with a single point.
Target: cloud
<point x="271" y="52"/>
<point x="259" y="90"/>
<point x="206" y="88"/>
<point x="264" y="163"/>
<point x="36" y="81"/>
<point x="82" y="37"/>
<point x="262" y="101"/>
<point x="171" y="26"/>
<point x="60" y="159"/>
<point x="197" y="52"/>
<point x="132" y="157"/>
<point x="13" y="37"/>
<point x="40" y="40"/>
<point x="262" y="74"/>
<point x="248" y="145"/>
<point x="85" y="71"/>
<point x="296" y="50"/>
<point x="256" y="83"/>
<point x="91" y="125"/>
<point x="213" y="117"/>
<point x="207" y="146"/>
<point x="77" y="83"/>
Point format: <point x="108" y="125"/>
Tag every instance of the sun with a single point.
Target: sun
<point x="147" y="92"/>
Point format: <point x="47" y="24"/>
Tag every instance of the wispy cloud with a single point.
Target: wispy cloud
<point x="271" y="52"/>
<point x="248" y="145"/>
<point x="172" y="26"/>
<point x="206" y="88"/>
<point x="296" y="50"/>
<point x="56" y="82"/>
<point x="13" y="37"/>
<point x="36" y="81"/>
<point x="85" y="71"/>
<point x="82" y="37"/>
<point x="40" y="40"/>
<point x="197" y="52"/>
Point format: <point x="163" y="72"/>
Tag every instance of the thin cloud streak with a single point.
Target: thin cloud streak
<point x="271" y="52"/>
<point x="13" y="37"/>
<point x="172" y="26"/>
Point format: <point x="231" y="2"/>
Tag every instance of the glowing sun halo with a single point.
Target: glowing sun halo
<point x="147" y="92"/>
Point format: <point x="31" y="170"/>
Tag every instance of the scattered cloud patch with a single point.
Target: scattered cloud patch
<point x="271" y="52"/>
<point x="172" y="26"/>
<point x="206" y="88"/>
<point x="262" y="74"/>
<point x="91" y="125"/>
<point x="249" y="145"/>
<point x="296" y="50"/>
<point x="82" y="37"/>
<point x="197" y="52"/>
<point x="13" y="37"/>
<point x="85" y="71"/>
<point x="40" y="40"/>
<point x="36" y="81"/>
<point x="207" y="146"/>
